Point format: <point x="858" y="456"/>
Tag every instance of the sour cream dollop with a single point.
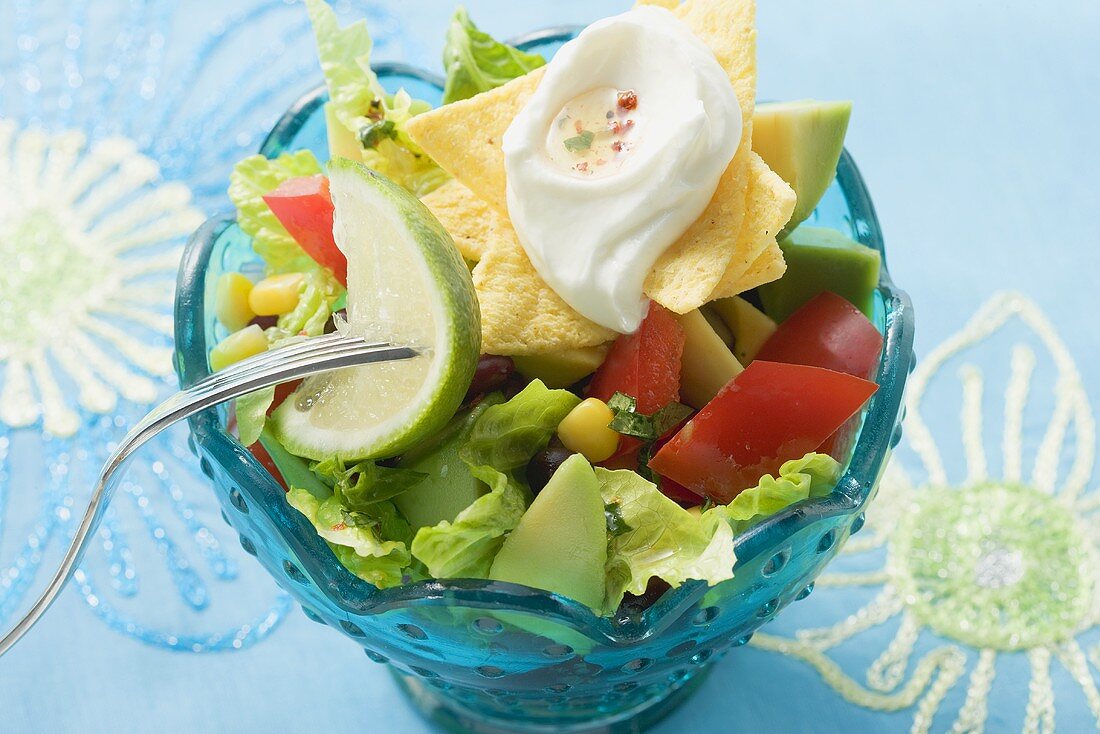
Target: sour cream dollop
<point x="614" y="156"/>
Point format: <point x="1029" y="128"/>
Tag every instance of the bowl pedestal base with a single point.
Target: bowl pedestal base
<point x="459" y="718"/>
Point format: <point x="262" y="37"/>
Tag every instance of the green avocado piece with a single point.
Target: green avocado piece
<point x="707" y="364"/>
<point x="561" y="369"/>
<point x="821" y="259"/>
<point x="749" y="326"/>
<point x="450" y="487"/>
<point x="801" y="141"/>
<point x="560" y="544"/>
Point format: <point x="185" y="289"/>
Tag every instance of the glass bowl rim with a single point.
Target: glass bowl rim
<point x="353" y="595"/>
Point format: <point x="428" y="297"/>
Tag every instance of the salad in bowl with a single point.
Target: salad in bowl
<point x="641" y="359"/>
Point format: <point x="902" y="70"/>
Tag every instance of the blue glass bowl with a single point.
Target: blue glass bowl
<point x="496" y="657"/>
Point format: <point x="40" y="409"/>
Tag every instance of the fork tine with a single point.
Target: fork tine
<point x="248" y="377"/>
<point x="307" y="348"/>
<point x="345" y="353"/>
<point x="312" y="345"/>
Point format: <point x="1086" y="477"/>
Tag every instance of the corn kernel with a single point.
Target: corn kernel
<point x="239" y="345"/>
<point x="231" y="301"/>
<point x="585" y="430"/>
<point x="276" y="295"/>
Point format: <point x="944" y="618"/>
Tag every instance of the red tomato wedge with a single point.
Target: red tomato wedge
<point x="644" y="365"/>
<point x="828" y="332"/>
<point x="304" y="206"/>
<point x="769" y="414"/>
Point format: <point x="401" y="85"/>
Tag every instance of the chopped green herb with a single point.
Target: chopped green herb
<point x="643" y="469"/>
<point x="622" y="401"/>
<point x="669" y="416"/>
<point x="373" y="134"/>
<point x="629" y="422"/>
<point x="616" y="525"/>
<point x="580" y="143"/>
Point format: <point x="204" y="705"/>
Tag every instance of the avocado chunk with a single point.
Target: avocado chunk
<point x="449" y="487"/>
<point x="749" y="326"/>
<point x="802" y="142"/>
<point x="560" y="544"/>
<point x="707" y="364"/>
<point x="821" y="259"/>
<point x="564" y="368"/>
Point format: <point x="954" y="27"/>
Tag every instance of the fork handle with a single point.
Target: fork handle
<point x="204" y="394"/>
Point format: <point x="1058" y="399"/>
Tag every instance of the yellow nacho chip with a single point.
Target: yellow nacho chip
<point x="768" y="206"/>
<point x="464" y="137"/>
<point x="468" y="219"/>
<point x="707" y="256"/>
<point x="520" y="313"/>
<point x="766" y="268"/>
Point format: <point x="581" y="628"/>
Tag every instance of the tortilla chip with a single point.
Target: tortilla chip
<point x="768" y="207"/>
<point x="689" y="270"/>
<point x="468" y="219"/>
<point x="766" y="268"/>
<point x="520" y="313"/>
<point x="464" y="137"/>
<point x="722" y="244"/>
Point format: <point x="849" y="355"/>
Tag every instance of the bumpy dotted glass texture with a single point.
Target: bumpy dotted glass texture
<point x="490" y="657"/>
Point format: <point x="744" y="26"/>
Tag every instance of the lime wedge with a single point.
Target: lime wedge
<point x="408" y="285"/>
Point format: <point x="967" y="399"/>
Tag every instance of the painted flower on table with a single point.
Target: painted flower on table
<point x="117" y="133"/>
<point x="973" y="558"/>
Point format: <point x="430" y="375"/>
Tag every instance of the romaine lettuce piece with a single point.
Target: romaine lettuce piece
<point x="475" y="62"/>
<point x="355" y="541"/>
<point x="357" y="100"/>
<point x="655" y="537"/>
<point x="508" y="435"/>
<point x="250" y="180"/>
<point x="814" y="475"/>
<point x="501" y="443"/>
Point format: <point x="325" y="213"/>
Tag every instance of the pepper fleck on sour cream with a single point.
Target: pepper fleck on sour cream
<point x="616" y="153"/>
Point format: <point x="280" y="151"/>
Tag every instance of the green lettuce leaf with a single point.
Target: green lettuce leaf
<point x="466" y="547"/>
<point x="251" y="413"/>
<point x="475" y="62"/>
<point x="674" y="544"/>
<point x="359" y="547"/>
<point x="814" y="475"/>
<point x="508" y="435"/>
<point x="501" y="442"/>
<point x="359" y="103"/>
<point x="250" y="180"/>
<point x="664" y="540"/>
<point x="365" y="484"/>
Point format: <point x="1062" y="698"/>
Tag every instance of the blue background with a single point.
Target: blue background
<point x="975" y="125"/>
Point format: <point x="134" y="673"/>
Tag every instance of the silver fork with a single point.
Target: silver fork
<point x="301" y="359"/>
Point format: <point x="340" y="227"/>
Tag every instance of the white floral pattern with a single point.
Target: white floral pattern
<point x="116" y="131"/>
<point x="972" y="564"/>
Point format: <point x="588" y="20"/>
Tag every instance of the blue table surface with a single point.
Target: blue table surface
<point x="975" y="125"/>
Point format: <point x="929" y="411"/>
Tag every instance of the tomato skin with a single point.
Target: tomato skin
<point x="644" y="365"/>
<point x="828" y="332"/>
<point x="303" y="206"/>
<point x="769" y="414"/>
